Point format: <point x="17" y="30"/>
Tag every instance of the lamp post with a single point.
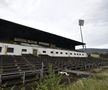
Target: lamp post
<point x="81" y="23"/>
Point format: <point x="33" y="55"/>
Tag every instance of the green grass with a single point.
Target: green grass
<point x="97" y="82"/>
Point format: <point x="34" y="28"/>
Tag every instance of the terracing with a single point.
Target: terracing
<point x="25" y="68"/>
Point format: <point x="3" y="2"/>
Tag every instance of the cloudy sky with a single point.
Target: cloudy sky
<point x="61" y="17"/>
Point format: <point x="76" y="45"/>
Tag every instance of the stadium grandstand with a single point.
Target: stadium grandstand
<point x="25" y="54"/>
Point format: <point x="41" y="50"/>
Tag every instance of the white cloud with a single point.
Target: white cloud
<point x="61" y="17"/>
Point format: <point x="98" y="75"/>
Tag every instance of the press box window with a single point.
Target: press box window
<point x="66" y="53"/>
<point x="10" y="50"/>
<point x="52" y="52"/>
<point x="44" y="51"/>
<point x="56" y="52"/>
<point x="70" y="53"/>
<point x="61" y="52"/>
<point x="24" y="50"/>
<point x="0" y="49"/>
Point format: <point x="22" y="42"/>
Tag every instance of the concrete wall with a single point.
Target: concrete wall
<point x="17" y="49"/>
<point x="40" y="51"/>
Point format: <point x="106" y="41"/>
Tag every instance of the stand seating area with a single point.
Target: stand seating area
<point x="29" y="62"/>
<point x="12" y="67"/>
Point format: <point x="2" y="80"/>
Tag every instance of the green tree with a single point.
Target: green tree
<point x="51" y="81"/>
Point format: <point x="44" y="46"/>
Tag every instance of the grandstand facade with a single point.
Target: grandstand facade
<point x="25" y="54"/>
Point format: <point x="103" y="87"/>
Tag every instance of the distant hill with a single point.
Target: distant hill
<point x="94" y="50"/>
